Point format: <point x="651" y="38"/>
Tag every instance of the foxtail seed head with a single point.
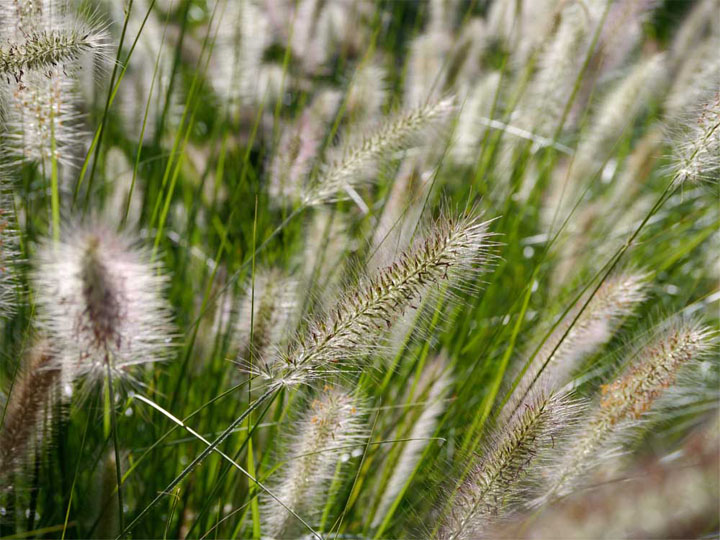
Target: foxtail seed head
<point x="697" y="156"/>
<point x="329" y="426"/>
<point x="615" y="300"/>
<point x="505" y="476"/>
<point x="454" y="248"/>
<point x="99" y="301"/>
<point x="27" y="412"/>
<point x="626" y="400"/>
<point x="352" y="163"/>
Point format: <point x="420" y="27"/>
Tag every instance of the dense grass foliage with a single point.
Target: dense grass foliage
<point x="342" y="268"/>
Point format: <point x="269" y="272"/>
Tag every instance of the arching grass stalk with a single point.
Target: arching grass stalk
<point x="113" y="420"/>
<point x="195" y="462"/>
<point x="249" y="474"/>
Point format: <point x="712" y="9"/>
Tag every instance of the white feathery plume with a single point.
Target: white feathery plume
<point x="41" y="120"/>
<point x="701" y="23"/>
<point x="46" y="49"/>
<point x="615" y="300"/>
<point x="272" y="309"/>
<point x="559" y="65"/>
<point x="99" y="301"/>
<point x="425" y="75"/>
<point x="615" y="113"/>
<point x="677" y="345"/>
<point x="622" y="31"/>
<point x="673" y="493"/>
<point x="300" y="143"/>
<point x="442" y="14"/>
<point x="342" y="25"/>
<point x="522" y="28"/>
<point x="454" y="248"/>
<point x="243" y="34"/>
<point x="39" y="110"/>
<point x="367" y="93"/>
<point x="697" y="154"/>
<point x="473" y="119"/>
<point x="303" y="16"/>
<point x="331" y="424"/>
<point x="350" y="164"/>
<point x="508" y="473"/>
<point x="696" y="80"/>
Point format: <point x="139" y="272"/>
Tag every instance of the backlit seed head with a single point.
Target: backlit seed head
<point x="99" y="301"/>
<point x="329" y="426"/>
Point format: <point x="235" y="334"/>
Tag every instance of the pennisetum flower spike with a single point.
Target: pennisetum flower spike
<point x="331" y="424"/>
<point x="45" y="43"/>
<point x="99" y="300"/>
<point x="26" y="414"/>
<point x="47" y="49"/>
<point x="500" y="481"/>
<point x="625" y="401"/>
<point x="351" y="163"/>
<point x="455" y="249"/>
<point x="271" y="309"/>
<point x="697" y="155"/>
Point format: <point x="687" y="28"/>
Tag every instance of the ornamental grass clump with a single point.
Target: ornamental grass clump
<point x="353" y="269"/>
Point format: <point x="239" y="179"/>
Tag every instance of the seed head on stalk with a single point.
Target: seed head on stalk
<point x="99" y="301"/>
<point x="455" y="248"/>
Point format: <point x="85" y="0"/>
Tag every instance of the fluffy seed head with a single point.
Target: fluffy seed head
<point x="46" y="49"/>
<point x="697" y="155"/>
<point x="455" y="249"/>
<point x="99" y="301"/>
<point x="655" y="369"/>
<point x="329" y="426"/>
<point x="626" y="400"/>
<point x="352" y="163"/>
<point x="503" y="476"/>
<point x="617" y="111"/>
<point x="272" y="309"/>
<point x="674" y="496"/>
<point x="242" y="35"/>
<point x="45" y="43"/>
<point x="26" y="413"/>
<point x="559" y="65"/>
